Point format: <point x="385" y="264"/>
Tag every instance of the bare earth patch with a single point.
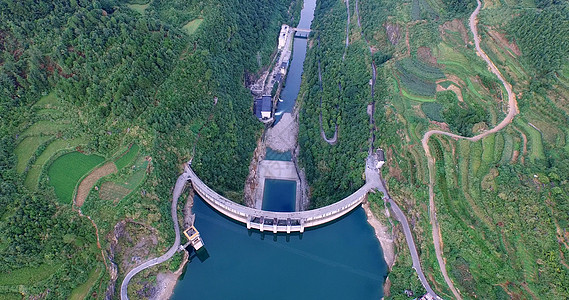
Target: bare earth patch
<point x="393" y="32"/>
<point x="282" y="137"/>
<point x="166" y="282"/>
<point x="88" y="182"/>
<point x="455" y="25"/>
<point x="453" y="88"/>
<point x="453" y="78"/>
<point x="503" y="42"/>
<point x="425" y="54"/>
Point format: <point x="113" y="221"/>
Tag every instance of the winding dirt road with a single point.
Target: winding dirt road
<point x="512" y="111"/>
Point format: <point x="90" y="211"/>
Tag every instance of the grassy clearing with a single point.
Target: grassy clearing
<point x="66" y="171"/>
<point x="448" y="54"/>
<point x="127" y="157"/>
<point x="508" y="149"/>
<point x="488" y="146"/>
<point x="416" y="98"/>
<point x="26" y="149"/>
<point x="135" y="179"/>
<point x="140" y="8"/>
<point x="49" y="99"/>
<point x="32" y="177"/>
<point x="45" y="128"/>
<point x="535" y="142"/>
<point x="81" y="291"/>
<point x="49" y="113"/>
<point x="475" y="157"/>
<point x="192" y="26"/>
<point x="498" y="147"/>
<point x="28" y="274"/>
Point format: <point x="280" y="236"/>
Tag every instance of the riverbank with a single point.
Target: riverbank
<point x="383" y="236"/>
<point x="166" y="282"/>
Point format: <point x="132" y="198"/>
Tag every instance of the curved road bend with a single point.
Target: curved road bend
<point x="180" y="183"/>
<point x="512" y="111"/>
<point x="334" y="139"/>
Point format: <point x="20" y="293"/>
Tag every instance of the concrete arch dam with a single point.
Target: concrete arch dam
<point x="277" y="221"/>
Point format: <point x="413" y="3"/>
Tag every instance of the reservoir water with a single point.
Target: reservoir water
<point x="341" y="260"/>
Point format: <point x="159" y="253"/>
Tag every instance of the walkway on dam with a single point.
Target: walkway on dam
<point x="286" y="221"/>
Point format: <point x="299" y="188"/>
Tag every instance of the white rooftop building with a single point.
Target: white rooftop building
<point x="283" y="35"/>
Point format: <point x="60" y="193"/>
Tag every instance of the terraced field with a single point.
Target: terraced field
<point x="43" y="139"/>
<point x="489" y="193"/>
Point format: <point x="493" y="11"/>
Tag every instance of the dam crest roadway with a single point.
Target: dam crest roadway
<point x="286" y="221"/>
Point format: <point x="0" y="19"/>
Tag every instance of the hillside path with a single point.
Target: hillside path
<point x="512" y="111"/>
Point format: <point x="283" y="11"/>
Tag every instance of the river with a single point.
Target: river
<point x="341" y="260"/>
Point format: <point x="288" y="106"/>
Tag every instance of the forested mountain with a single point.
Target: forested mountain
<point x="165" y="75"/>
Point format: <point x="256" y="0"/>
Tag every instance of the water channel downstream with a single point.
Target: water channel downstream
<point x="341" y="260"/>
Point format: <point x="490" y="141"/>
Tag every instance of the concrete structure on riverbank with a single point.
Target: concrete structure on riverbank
<point x="286" y="221"/>
<point x="281" y="170"/>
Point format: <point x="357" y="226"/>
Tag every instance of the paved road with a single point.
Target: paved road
<point x="176" y="194"/>
<point x="512" y="111"/>
<point x="400" y="216"/>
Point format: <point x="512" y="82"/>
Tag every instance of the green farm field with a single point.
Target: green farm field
<point x="127" y="157"/>
<point x="66" y="171"/>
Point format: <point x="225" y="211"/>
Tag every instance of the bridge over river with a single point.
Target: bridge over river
<point x="300" y="32"/>
<point x="286" y="221"/>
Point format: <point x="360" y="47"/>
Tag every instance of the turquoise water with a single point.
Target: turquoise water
<point x="279" y="195"/>
<point x="275" y="155"/>
<point x="342" y="260"/>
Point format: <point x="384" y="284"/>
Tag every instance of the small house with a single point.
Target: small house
<point x="266" y="107"/>
<point x="284" y="66"/>
<point x="283" y="36"/>
<point x="263" y="107"/>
